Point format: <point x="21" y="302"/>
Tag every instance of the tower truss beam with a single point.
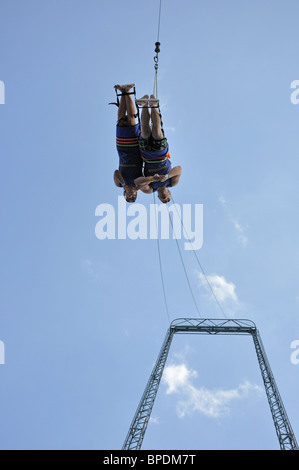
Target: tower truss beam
<point x="282" y="425"/>
<point x="141" y="418"/>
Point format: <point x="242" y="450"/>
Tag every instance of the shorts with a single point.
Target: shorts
<point x="123" y="122"/>
<point x="152" y="145"/>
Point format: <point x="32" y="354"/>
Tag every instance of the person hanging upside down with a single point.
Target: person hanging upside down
<point x="127" y="133"/>
<point x="158" y="172"/>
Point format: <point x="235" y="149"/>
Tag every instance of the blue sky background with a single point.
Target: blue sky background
<point x="83" y="320"/>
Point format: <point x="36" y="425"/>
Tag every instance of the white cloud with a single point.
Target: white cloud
<point x="177" y="376"/>
<point x="238" y="227"/>
<point x="169" y="129"/>
<point x="211" y="403"/>
<point x="224" y="291"/>
<point x="90" y="269"/>
<point x="87" y="266"/>
<point x="183" y="353"/>
<point x="154" y="420"/>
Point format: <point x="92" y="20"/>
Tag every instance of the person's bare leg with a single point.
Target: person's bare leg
<point x="145" y="120"/>
<point x="131" y="111"/>
<point x="122" y="109"/>
<point x="156" y="121"/>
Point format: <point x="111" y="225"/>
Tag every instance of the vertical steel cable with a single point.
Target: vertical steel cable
<point x="160" y="263"/>
<point x="157" y="50"/>
<point x="183" y="264"/>
<point x="200" y="265"/>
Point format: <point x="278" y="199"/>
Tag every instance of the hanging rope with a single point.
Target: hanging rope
<point x="159" y="21"/>
<point x="155" y="92"/>
<point x="183" y="264"/>
<point x="160" y="263"/>
<point x="156" y="66"/>
<point x="156" y="57"/>
<point x="199" y="263"/>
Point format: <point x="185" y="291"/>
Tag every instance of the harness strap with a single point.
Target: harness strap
<point x="123" y="94"/>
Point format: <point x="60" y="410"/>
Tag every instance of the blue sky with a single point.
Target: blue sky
<point x="83" y="319"/>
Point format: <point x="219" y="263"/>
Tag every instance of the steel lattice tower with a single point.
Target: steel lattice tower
<point x="282" y="424"/>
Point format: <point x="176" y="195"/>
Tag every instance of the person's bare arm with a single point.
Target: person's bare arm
<point x="146" y="189"/>
<point x="118" y="179"/>
<point x="143" y="182"/>
<point x="174" y="175"/>
<point x="146" y="180"/>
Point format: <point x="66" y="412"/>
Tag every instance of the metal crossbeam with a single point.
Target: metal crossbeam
<point x="212" y="326"/>
<point x="141" y="418"/>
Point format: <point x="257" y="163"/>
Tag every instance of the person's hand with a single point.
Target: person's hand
<point x="163" y="178"/>
<point x="157" y="177"/>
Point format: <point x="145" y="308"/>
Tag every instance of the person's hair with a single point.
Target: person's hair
<point x="167" y="191"/>
<point x="135" y="197"/>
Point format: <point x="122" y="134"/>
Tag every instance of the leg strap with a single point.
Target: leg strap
<point x="122" y="94"/>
